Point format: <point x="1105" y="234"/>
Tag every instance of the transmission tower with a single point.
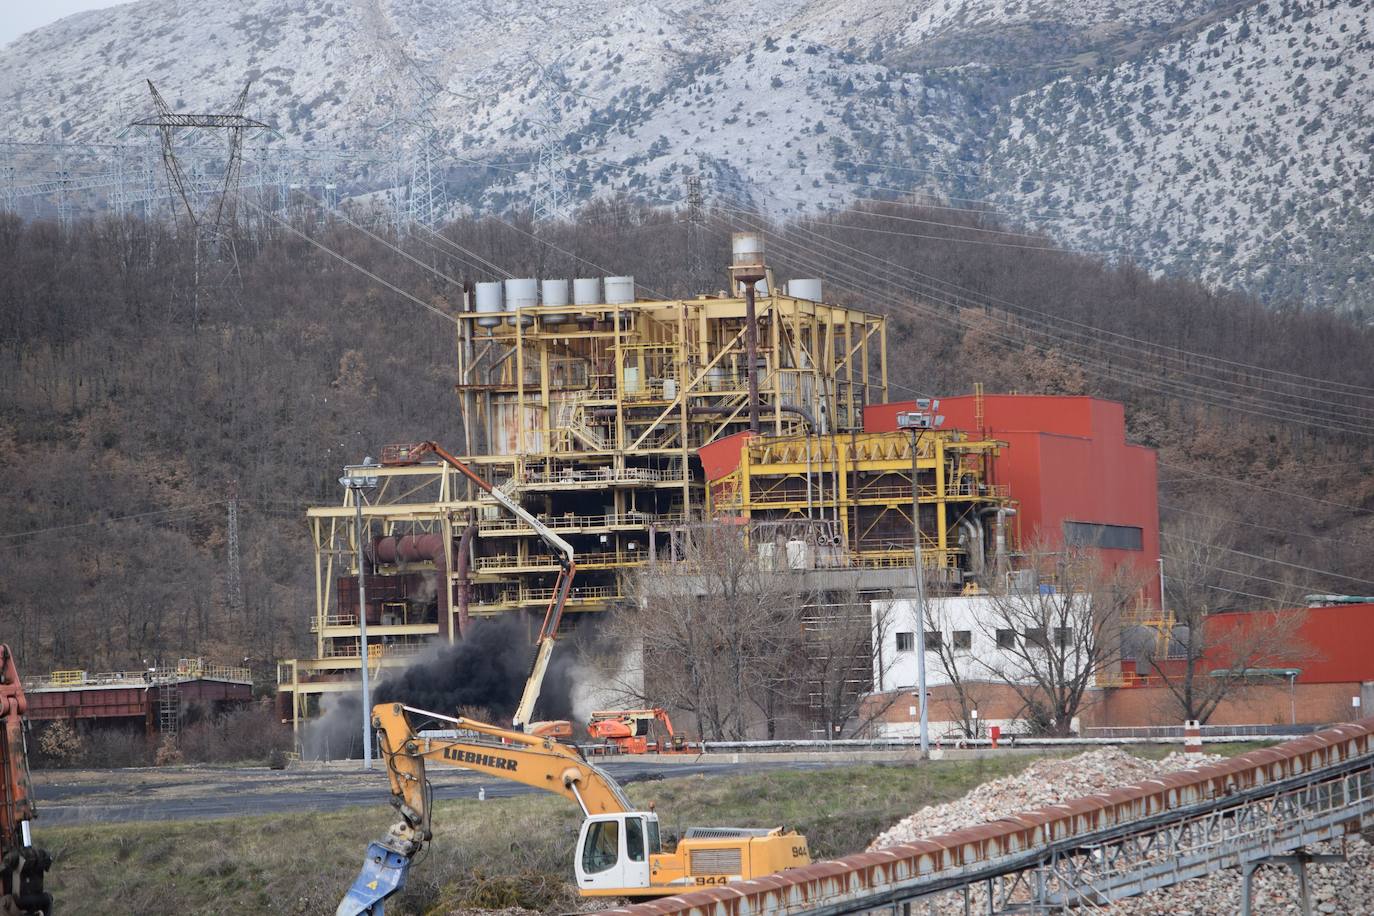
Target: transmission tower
<point x="696" y="257"/>
<point x="550" y="168"/>
<point x="234" y="582"/>
<point x="233" y="123"/>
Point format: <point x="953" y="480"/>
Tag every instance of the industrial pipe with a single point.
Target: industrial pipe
<point x="413" y="548"/>
<point x="464" y="579"/>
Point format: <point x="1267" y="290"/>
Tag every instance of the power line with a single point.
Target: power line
<point x="1146" y="378"/>
<point x="107" y="521"/>
<point x="1256" y="486"/>
<point x="353" y="264"/>
<point x="1254" y="556"/>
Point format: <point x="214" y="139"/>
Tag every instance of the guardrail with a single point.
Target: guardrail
<point x="189" y="669"/>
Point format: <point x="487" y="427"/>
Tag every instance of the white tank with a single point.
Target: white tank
<point x="554" y="293"/>
<point x="798" y="554"/>
<point x="746" y="249"/>
<point x="805" y="289"/>
<point x="488" y="301"/>
<point x="521" y="293"/>
<point x="620" y="290"/>
<point x="587" y="291"/>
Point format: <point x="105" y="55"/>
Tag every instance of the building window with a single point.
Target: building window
<point x="906" y="642"/>
<point x="1006" y="639"/>
<point x="1035" y="636"/>
<point x="1107" y="537"/>
<point x="934" y="641"/>
<point x="963" y="640"/>
<point x="1063" y="637"/>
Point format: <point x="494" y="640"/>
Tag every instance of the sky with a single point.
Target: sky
<point x="20" y="16"/>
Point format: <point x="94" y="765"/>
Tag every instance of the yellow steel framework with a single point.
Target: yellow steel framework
<point x="862" y="484"/>
<point x="591" y="415"/>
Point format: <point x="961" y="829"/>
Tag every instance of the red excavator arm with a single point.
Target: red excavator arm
<point x="21" y="865"/>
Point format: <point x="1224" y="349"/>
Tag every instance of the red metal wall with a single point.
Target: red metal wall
<point x="1335" y="644"/>
<point x="1066" y="459"/>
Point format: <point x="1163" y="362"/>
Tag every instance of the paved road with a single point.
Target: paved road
<point x="203" y="793"/>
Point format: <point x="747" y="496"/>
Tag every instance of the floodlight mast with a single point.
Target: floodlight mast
<point x="918" y="421"/>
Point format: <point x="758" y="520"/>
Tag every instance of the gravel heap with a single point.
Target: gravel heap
<point x="1336" y="888"/>
<point x="1045" y="782"/>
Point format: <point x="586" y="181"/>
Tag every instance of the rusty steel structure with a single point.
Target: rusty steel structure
<point x="1264" y="807"/>
<point x="622" y="423"/>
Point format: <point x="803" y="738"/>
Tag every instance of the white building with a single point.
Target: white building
<point x="971" y="635"/>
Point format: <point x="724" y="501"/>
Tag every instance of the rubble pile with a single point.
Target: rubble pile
<point x="1045" y="782"/>
<point x="1342" y="887"/>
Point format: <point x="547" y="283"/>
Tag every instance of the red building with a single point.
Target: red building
<point x="1069" y="466"/>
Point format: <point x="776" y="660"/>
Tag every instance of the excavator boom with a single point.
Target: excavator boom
<point x="22" y="865"/>
<point x="618" y="850"/>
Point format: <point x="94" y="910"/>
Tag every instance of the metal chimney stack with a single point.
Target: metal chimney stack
<point x="747" y="267"/>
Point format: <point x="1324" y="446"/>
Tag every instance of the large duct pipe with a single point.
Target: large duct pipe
<point x="465" y="579"/>
<point x="1000" y="539"/>
<point x="972" y="539"/>
<point x="413" y="548"/>
<point x="802" y="412"/>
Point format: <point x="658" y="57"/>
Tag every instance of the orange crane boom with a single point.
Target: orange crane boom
<point x="393" y="455"/>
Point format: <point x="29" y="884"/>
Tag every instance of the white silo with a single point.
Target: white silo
<point x="554" y="293"/>
<point x="805" y="289"/>
<point x="521" y="293"/>
<point x="488" y="301"/>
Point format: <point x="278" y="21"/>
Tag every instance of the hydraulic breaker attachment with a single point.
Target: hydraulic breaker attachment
<point x="383" y="874"/>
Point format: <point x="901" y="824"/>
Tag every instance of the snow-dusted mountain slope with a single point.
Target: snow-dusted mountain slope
<point x="1242" y="155"/>
<point x="1108" y="115"/>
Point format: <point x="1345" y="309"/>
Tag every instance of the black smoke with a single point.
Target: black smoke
<point x="486" y="670"/>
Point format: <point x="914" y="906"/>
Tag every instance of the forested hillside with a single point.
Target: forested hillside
<point x="141" y="385"/>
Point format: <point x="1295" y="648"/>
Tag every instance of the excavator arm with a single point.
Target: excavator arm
<point x="567" y="567"/>
<point x="22" y="865"/>
<point x="498" y="752"/>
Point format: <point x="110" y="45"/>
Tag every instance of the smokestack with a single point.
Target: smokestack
<point x="747" y="267"/>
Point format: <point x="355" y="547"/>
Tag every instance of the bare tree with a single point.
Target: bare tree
<point x="1056" y="626"/>
<point x="708" y="623"/>
<point x="956" y="663"/>
<point x="1199" y="665"/>
<point x="837" y="662"/>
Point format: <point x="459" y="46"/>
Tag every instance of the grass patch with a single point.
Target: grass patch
<point x="493" y="854"/>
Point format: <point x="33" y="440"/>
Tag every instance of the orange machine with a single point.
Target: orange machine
<point x="619" y="852"/>
<point x="639" y="731"/>
<point x="21" y="864"/>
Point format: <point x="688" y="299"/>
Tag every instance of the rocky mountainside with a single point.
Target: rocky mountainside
<point x="1224" y="139"/>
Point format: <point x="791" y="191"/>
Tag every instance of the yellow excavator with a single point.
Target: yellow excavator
<point x="619" y="852"/>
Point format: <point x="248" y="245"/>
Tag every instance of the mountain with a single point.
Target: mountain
<point x="1225" y="140"/>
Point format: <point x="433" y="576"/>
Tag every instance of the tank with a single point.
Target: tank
<point x="620" y="290"/>
<point x="488" y="301"/>
<point x="746" y="256"/>
<point x="555" y="293"/>
<point x="587" y="291"/>
<point x="805" y="289"/>
<point x="521" y="293"/>
<point x="799" y="554"/>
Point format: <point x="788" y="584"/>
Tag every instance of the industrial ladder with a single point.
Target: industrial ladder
<point x="169" y="707"/>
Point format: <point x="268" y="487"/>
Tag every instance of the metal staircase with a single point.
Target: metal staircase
<point x="169" y="707"/>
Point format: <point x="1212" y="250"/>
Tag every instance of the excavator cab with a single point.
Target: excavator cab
<point x="614" y="852"/>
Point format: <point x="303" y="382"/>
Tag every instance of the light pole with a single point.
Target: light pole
<point x="357" y="479"/>
<point x="918" y="421"/>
